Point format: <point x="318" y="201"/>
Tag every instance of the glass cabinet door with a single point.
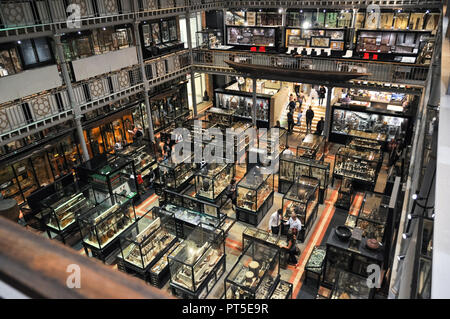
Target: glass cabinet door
<point x="42" y="168"/>
<point x="8" y="184"/>
<point x="25" y="176"/>
<point x="57" y="161"/>
<point x="70" y="150"/>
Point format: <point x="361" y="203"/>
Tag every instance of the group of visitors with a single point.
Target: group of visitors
<point x="295" y="103"/>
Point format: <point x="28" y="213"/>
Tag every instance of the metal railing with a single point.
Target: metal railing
<point x="50" y="108"/>
<point x="379" y="71"/>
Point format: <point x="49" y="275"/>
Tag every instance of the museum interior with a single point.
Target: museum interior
<point x="345" y="97"/>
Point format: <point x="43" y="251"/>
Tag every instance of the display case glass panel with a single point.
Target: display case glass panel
<point x="101" y="225"/>
<point x="175" y="175"/>
<point x="196" y="257"/>
<point x="360" y="144"/>
<point x="242" y="105"/>
<point x="254" y="189"/>
<point x="212" y="179"/>
<point x="350" y="286"/>
<point x="357" y="165"/>
<point x="373" y="215"/>
<point x="312" y="146"/>
<point x="270" y="138"/>
<point x="251" y="36"/>
<point x="255" y="275"/>
<point x="144" y="242"/>
<point x="367" y="125"/>
<point x="61" y="209"/>
<point x="210" y="38"/>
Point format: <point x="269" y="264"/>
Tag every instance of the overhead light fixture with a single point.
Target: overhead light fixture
<point x="79" y="32"/>
<point x="401" y="257"/>
<point x="280" y="10"/>
<point x="306" y="25"/>
<point x="414" y="196"/>
<point x="428" y="11"/>
<point x="104" y="29"/>
<point x="411" y="216"/>
<point x="406" y="235"/>
<point x="19" y="42"/>
<point x="324" y="10"/>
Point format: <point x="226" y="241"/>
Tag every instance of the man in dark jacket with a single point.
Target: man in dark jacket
<point x="319" y="127"/>
<point x="322" y="92"/>
<point x="309" y="118"/>
<point x="290" y="119"/>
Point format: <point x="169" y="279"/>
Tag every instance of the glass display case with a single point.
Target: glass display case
<point x="144" y="158"/>
<point x="60" y="210"/>
<point x="316" y="38"/>
<point x="283" y="290"/>
<point x="255" y="234"/>
<point x="270" y="137"/>
<point x="210" y="38"/>
<point x="101" y="226"/>
<point x="145" y="242"/>
<point x="292" y="167"/>
<point x="312" y="146"/>
<point x="176" y="175"/>
<point x="369" y="126"/>
<point x="110" y="174"/>
<point x="159" y="273"/>
<point x="360" y="167"/>
<point x="220" y="117"/>
<point x="350" y="286"/>
<point x="364" y="145"/>
<point x="254" y="195"/>
<point x="197" y="263"/>
<point x="302" y="198"/>
<point x="255" y="275"/>
<point x="372" y="216"/>
<point x="252" y="36"/>
<point x="212" y="180"/>
<point x="315" y="263"/>
<point x="345" y="194"/>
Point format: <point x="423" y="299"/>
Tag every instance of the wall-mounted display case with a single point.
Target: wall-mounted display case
<point x="350" y="286"/>
<point x="60" y="210"/>
<point x="110" y="174"/>
<point x="252" y="36"/>
<point x="255" y="275"/>
<point x="341" y="255"/>
<point x="102" y="225"/>
<point x="197" y="263"/>
<point x="302" y="198"/>
<point x="254" y="195"/>
<point x="210" y="38"/>
<point x="145" y="242"/>
<point x="242" y="105"/>
<point x="163" y="33"/>
<point x="372" y="216"/>
<point x="292" y="168"/>
<point x="360" y="167"/>
<point x="378" y="127"/>
<point x="333" y="39"/>
<point x="392" y="45"/>
<point x="312" y="146"/>
<point x="212" y="180"/>
<point x="176" y="175"/>
<point x="319" y="18"/>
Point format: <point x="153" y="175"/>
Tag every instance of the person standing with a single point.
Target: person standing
<point x="275" y="221"/>
<point x="309" y="118"/>
<point x="231" y="193"/>
<point x="294" y="222"/>
<point x="291" y="246"/>
<point x="321" y="93"/>
<point x="290" y="119"/>
<point x="319" y="127"/>
<point x="299" y="116"/>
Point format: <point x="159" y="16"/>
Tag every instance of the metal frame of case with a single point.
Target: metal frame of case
<point x="290" y="164"/>
<point x="220" y="117"/>
<point x="210" y="176"/>
<point x="341" y="256"/>
<point x="72" y="198"/>
<point x="364" y="145"/>
<point x="185" y="169"/>
<point x="254" y="182"/>
<point x="280" y="291"/>
<point x="209" y="239"/>
<point x="310" y="202"/>
<point x="352" y="285"/>
<point x="345" y="194"/>
<point x="314" y="150"/>
<point x="109" y="173"/>
<point x="348" y="155"/>
<point x="146" y="232"/>
<point x="117" y="214"/>
<point x="205" y="36"/>
<point x="265" y="140"/>
<point x="265" y="256"/>
<point x="372" y="216"/>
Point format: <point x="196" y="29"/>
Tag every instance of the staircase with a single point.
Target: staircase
<point x="319" y="111"/>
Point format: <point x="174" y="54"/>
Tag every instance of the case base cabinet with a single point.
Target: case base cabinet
<point x="254" y="218"/>
<point x="283" y="187"/>
<point x="205" y="287"/>
<point x="68" y="232"/>
<point x="105" y="253"/>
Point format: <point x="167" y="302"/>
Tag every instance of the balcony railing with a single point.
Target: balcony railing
<point x="380" y="72"/>
<point x="35" y="113"/>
